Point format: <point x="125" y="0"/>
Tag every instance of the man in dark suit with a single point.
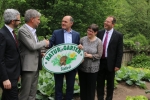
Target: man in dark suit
<point x="9" y="56"/>
<point x="111" y="58"/>
<point x="65" y="35"/>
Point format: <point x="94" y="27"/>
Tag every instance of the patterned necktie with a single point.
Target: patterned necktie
<point x="104" y="45"/>
<point x="15" y="37"/>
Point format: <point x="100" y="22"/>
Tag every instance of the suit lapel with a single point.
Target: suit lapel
<point x="102" y="35"/>
<point x="10" y="35"/>
<point x="30" y="33"/>
<point x="62" y="36"/>
<point x="112" y="37"/>
<point x="73" y="37"/>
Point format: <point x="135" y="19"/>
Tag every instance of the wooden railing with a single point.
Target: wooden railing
<point x="127" y="56"/>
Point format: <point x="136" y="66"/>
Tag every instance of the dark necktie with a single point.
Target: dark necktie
<point x="15" y="37"/>
<point x="104" y="45"/>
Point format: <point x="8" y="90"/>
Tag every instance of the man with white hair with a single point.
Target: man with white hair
<point x="9" y="55"/>
<point x="30" y="54"/>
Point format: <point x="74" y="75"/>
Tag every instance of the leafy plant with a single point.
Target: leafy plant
<point x="138" y="43"/>
<point x="46" y="85"/>
<point x="140" y="61"/>
<point x="115" y="83"/>
<point x="139" y="97"/>
<point x="128" y="44"/>
<point x="131" y="76"/>
<point x="147" y="74"/>
<point x="140" y="40"/>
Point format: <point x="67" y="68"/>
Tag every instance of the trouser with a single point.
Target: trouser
<point x="29" y="80"/>
<point x="10" y="94"/>
<point x="70" y="79"/>
<point x="105" y="74"/>
<point x="87" y="83"/>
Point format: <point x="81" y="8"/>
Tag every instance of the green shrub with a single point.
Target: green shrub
<point x="139" y="97"/>
<point x="140" y="40"/>
<point x="138" y="43"/>
<point x="140" y="61"/>
<point x="128" y="44"/>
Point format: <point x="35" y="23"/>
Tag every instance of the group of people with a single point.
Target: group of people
<point x="103" y="52"/>
<point x="20" y="57"/>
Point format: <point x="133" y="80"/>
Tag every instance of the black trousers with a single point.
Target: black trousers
<point x="105" y="74"/>
<point x="10" y="94"/>
<point x="70" y="79"/>
<point x="87" y="83"/>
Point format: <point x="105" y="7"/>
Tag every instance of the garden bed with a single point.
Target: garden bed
<point x="123" y="90"/>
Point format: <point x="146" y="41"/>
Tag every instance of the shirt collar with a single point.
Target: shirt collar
<point x="33" y="30"/>
<point x="9" y="28"/>
<point x="110" y="31"/>
<point x="67" y="31"/>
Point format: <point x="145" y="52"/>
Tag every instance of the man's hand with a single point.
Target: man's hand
<point x="42" y="54"/>
<point x="47" y="43"/>
<point x="116" y="69"/>
<point x="7" y="84"/>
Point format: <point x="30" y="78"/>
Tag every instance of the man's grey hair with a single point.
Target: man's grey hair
<point x="9" y="15"/>
<point x="71" y="19"/>
<point x="31" y="13"/>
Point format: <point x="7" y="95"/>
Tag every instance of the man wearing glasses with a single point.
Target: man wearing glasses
<point x="9" y="55"/>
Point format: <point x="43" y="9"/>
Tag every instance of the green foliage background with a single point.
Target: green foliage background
<point x="132" y="15"/>
<point x="132" y="21"/>
<point x="140" y="61"/>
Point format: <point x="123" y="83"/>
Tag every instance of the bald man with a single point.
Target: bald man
<point x="65" y="35"/>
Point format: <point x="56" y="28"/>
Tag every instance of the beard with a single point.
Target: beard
<point x="36" y="26"/>
<point x="16" y="25"/>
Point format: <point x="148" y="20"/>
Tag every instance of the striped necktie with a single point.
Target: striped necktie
<point x="15" y="37"/>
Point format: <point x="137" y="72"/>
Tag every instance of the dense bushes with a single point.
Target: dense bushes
<point x="140" y="61"/>
<point x="137" y="43"/>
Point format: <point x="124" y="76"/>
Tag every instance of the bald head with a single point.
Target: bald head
<point x="67" y="23"/>
<point x="69" y="17"/>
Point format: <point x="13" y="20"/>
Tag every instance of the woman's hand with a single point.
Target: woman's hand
<point x="87" y="55"/>
<point x="80" y="46"/>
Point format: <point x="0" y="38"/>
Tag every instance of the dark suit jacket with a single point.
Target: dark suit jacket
<point x="9" y="56"/>
<point x="58" y="37"/>
<point x="114" y="50"/>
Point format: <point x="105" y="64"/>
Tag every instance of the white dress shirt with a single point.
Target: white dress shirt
<point x="33" y="31"/>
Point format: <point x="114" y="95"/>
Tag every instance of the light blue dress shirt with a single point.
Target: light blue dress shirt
<point x="67" y="36"/>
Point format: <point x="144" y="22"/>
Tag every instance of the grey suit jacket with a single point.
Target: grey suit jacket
<point x="29" y="49"/>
